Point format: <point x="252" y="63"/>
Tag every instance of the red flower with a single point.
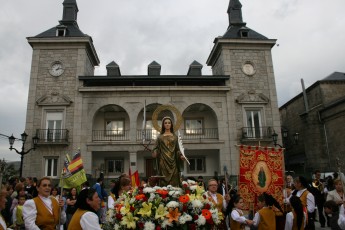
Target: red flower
<point x="163" y="193"/>
<point x="207" y="206"/>
<point x="118" y="216"/>
<point x="158" y="228"/>
<point x="210" y="221"/>
<point x="140" y="197"/>
<point x="206" y="213"/>
<point x="132" y="209"/>
<point x="185" y="185"/>
<point x="184" y="208"/>
<point x="183" y="199"/>
<point x="141" y="224"/>
<point x="192" y="227"/>
<point x="196" y="217"/>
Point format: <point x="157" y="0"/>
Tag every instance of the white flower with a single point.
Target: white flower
<point x="132" y="200"/>
<point x="152" y="197"/>
<point x="169" y="187"/>
<point x="149" y="226"/>
<point x="184" y="183"/>
<point x="116" y="227"/>
<point x="193" y="187"/>
<point x="188" y="217"/>
<point x="174" y="193"/>
<point x="182" y="220"/>
<point x="172" y="204"/>
<point x="166" y="223"/>
<point x="201" y="220"/>
<point x="197" y="204"/>
<point x="110" y="215"/>
<point x="215" y="217"/>
<point x="191" y="182"/>
<point x="148" y="190"/>
<point x="157" y="187"/>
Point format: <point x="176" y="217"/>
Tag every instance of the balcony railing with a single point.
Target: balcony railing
<point x="257" y="132"/>
<point x="52" y="136"/>
<point x="110" y="135"/>
<point x="186" y="134"/>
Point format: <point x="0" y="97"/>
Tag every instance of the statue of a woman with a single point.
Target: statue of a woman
<point x="168" y="154"/>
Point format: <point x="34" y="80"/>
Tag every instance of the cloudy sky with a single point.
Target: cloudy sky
<point x="133" y="33"/>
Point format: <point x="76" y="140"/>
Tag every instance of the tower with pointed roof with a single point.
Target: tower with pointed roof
<point x="60" y="54"/>
<point x="246" y="56"/>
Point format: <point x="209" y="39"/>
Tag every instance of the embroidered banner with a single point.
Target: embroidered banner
<point x="261" y="170"/>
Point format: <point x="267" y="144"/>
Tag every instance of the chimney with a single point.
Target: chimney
<point x="154" y="69"/>
<point x="113" y="69"/>
<point x="194" y="69"/>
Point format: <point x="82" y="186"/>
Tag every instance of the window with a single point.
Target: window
<point x="194" y="126"/>
<point x="115" y="127"/>
<point x="197" y="165"/>
<point x="151" y="132"/>
<point x="253" y="126"/>
<point x="114" y="166"/>
<point x="54" y="126"/>
<point x="51" y="167"/>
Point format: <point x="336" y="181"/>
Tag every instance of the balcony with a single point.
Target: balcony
<point x="190" y="134"/>
<point x="52" y="136"/>
<point x="110" y="135"/>
<point x="253" y="133"/>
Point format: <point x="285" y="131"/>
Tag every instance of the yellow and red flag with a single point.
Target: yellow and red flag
<point x="73" y="173"/>
<point x="134" y="178"/>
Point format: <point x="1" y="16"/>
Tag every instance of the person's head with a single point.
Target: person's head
<point x="44" y="186"/>
<point x="21" y="200"/>
<point x="317" y="174"/>
<point x="238" y="202"/>
<point x="289" y="179"/>
<point x="338" y="185"/>
<point x="330" y="207"/>
<point x="335" y="175"/>
<point x="125" y="184"/>
<point x="99" y="180"/>
<point x="73" y="191"/>
<point x="86" y="184"/>
<point x="112" y="184"/>
<point x="88" y="200"/>
<point x="9" y="190"/>
<point x="300" y="183"/>
<point x="212" y="185"/>
<point x="143" y="182"/>
<point x="261" y="201"/>
<point x="28" y="180"/>
<point x="167" y="124"/>
<point x="54" y="191"/>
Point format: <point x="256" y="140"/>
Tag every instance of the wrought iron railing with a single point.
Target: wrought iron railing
<point x="110" y="135"/>
<point x="52" y="136"/>
<point x="257" y="132"/>
<point x="186" y="134"/>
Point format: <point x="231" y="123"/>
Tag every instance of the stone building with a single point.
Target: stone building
<point x="317" y="115"/>
<point x="70" y="108"/>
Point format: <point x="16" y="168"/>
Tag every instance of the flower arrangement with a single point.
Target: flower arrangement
<point x="155" y="208"/>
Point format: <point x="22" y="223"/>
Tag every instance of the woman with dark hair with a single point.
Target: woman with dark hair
<point x="295" y="219"/>
<point x="168" y="154"/>
<point x="265" y="218"/>
<point x="85" y="216"/>
<point x="71" y="201"/>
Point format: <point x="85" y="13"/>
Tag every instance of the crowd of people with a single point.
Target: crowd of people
<point x="36" y="204"/>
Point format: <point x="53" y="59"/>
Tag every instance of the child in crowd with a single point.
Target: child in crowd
<point x="17" y="215"/>
<point x="237" y="220"/>
<point x="331" y="208"/>
<point x="296" y="219"/>
<point x="265" y="218"/>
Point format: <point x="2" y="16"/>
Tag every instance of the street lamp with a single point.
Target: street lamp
<point x="11" y="139"/>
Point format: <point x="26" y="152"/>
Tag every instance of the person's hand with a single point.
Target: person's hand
<point x="249" y="222"/>
<point x="182" y="157"/>
<point x="61" y="202"/>
<point x="227" y="198"/>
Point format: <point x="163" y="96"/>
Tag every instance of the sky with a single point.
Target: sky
<point x="310" y="42"/>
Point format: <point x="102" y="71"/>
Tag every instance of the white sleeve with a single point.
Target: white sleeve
<point x="90" y="221"/>
<point x="236" y="217"/>
<point x="256" y="219"/>
<point x="14" y="216"/>
<point x="289" y="221"/>
<point x="29" y="215"/>
<point x="310" y="203"/>
<point x="111" y="202"/>
<point x="341" y="220"/>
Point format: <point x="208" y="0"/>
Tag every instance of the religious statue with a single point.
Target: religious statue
<point x="262" y="177"/>
<point x="168" y="154"/>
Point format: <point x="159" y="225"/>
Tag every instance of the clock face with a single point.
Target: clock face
<point x="248" y="69"/>
<point x="56" y="69"/>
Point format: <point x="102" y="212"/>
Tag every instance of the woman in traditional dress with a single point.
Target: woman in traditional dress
<point x="168" y="154"/>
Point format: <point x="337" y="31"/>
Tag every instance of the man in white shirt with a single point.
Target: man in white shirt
<point x="43" y="212"/>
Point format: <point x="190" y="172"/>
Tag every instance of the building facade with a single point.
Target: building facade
<point x="70" y="108"/>
<point x="317" y="115"/>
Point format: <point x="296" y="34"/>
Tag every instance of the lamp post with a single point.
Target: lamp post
<point x="286" y="141"/>
<point x="24" y="136"/>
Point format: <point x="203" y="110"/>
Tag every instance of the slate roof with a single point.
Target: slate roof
<point x="336" y="76"/>
<point x="234" y="32"/>
<point x="71" y="31"/>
